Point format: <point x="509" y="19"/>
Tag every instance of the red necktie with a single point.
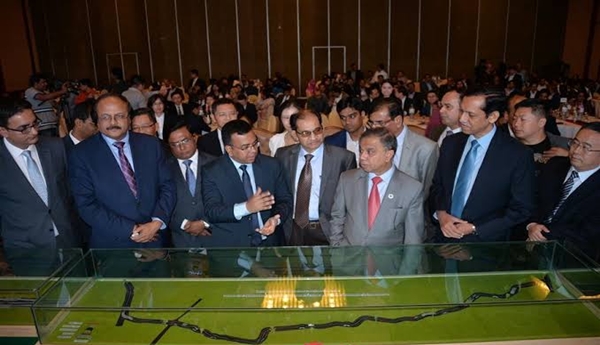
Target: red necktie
<point x="374" y="201"/>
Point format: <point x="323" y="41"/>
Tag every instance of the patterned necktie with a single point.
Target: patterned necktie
<point x="566" y="189"/>
<point x="126" y="168"/>
<point x="460" y="195"/>
<point x="35" y="176"/>
<point x="303" y="194"/>
<point x="190" y="177"/>
<point x="255" y="238"/>
<point x="374" y="201"/>
<point x="449" y="133"/>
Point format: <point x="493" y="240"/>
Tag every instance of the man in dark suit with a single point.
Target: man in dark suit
<point x="177" y="105"/>
<point x="352" y="116"/>
<point x="484" y="181"/>
<point x="36" y="207"/>
<point x="247" y="109"/>
<point x="246" y="195"/>
<point x="84" y="125"/>
<point x="121" y="183"/>
<point x="189" y="228"/>
<point x="355" y="74"/>
<point x="282" y="98"/>
<point x="313" y="170"/>
<point x="570" y="194"/>
<point x="223" y="111"/>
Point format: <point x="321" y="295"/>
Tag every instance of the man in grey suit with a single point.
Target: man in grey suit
<point x="189" y="226"/>
<point x="416" y="155"/>
<point x="377" y="204"/>
<point x="36" y="208"/>
<point x="313" y="171"/>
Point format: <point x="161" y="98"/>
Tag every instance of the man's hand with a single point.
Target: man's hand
<point x="269" y="226"/>
<point x="450" y="225"/>
<point x="196" y="228"/>
<point x="536" y="231"/>
<point x="260" y="201"/>
<point x="555" y="152"/>
<point x="147" y="232"/>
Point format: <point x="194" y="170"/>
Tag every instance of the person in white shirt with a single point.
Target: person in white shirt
<point x="134" y="94"/>
<point x="84" y="125"/>
<point x="450" y="114"/>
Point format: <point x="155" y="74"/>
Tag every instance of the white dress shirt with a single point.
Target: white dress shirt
<point x="400" y="140"/>
<point x="583" y="175"/>
<point x="220" y="136"/>
<point x="445" y="134"/>
<point x="316" y="165"/>
<point x="160" y="120"/>
<point x="73" y="139"/>
<point x="353" y="146"/>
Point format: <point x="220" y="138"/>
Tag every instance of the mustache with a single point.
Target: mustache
<point x="114" y="127"/>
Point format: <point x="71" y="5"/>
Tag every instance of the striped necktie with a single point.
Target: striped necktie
<point x="566" y="190"/>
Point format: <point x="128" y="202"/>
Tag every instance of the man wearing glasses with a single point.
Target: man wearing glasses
<point x="313" y="170"/>
<point x="570" y="195"/>
<point x="189" y="226"/>
<point x="246" y="195"/>
<point x="36" y="208"/>
<point x="223" y="111"/>
<point x="351" y="114"/>
<point x="121" y="183"/>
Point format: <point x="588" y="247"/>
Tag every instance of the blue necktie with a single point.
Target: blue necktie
<point x="461" y="191"/>
<point x="35" y="176"/>
<point x="256" y="238"/>
<point x="189" y="176"/>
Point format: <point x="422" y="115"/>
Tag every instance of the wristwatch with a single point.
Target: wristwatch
<point x="474" y="232"/>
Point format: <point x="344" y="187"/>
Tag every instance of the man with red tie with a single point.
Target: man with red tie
<point x="377" y="204"/>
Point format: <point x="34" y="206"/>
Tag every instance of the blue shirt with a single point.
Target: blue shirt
<point x="115" y="150"/>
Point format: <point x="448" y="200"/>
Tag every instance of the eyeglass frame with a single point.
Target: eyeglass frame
<point x="307" y="134"/>
<point x="574" y="144"/>
<point x="107" y="118"/>
<point x="246" y="147"/>
<point x="27" y="129"/>
<point x="378" y="123"/>
<point x="180" y="143"/>
<point x="142" y="127"/>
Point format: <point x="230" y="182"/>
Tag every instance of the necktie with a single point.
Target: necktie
<point x="255" y="238"/>
<point x="179" y="110"/>
<point x="35" y="176"/>
<point x="189" y="176"/>
<point x="303" y="194"/>
<point x="374" y="201"/>
<point x="460" y="195"/>
<point x="449" y="133"/>
<point x="126" y="168"/>
<point x="567" y="186"/>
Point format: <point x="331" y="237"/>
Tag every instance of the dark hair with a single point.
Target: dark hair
<point x="86" y="82"/>
<point x="153" y="99"/>
<point x="402" y="90"/>
<point x="242" y="97"/>
<point x="593" y="126"/>
<point x="303" y="115"/>
<point x="84" y="111"/>
<point x="195" y="71"/>
<point x="10" y="107"/>
<point x="36" y="77"/>
<point x="177" y="91"/>
<point x="391" y="105"/>
<point x="112" y="95"/>
<point x="495" y="100"/>
<point x="239" y="127"/>
<point x="179" y="125"/>
<point x="387" y="139"/>
<point x="142" y="112"/>
<point x="538" y="108"/>
<point x="221" y="101"/>
<point x="137" y="80"/>
<point x="117" y="73"/>
<point x="349" y="102"/>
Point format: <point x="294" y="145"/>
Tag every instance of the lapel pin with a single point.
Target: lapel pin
<point x="390" y="196"/>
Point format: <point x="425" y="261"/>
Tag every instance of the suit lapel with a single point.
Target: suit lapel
<point x="105" y="155"/>
<point x="327" y="167"/>
<point x="14" y="170"/>
<point x="487" y="167"/>
<point x="362" y="191"/>
<point x="407" y="151"/>
<point x="293" y="164"/>
<point x="137" y="155"/>
<point x="584" y="190"/>
<point x="46" y="162"/>
<point x="455" y="158"/>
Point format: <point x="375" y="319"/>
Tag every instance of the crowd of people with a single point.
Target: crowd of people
<point x="238" y="163"/>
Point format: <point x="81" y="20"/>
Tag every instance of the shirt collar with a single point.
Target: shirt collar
<point x="111" y="141"/>
<point x="386" y="177"/>
<point x="16" y="151"/>
<point x="485" y="140"/>
<point x="73" y="139"/>
<point x="584" y="175"/>
<point x="193" y="158"/>
<point x="316" y="154"/>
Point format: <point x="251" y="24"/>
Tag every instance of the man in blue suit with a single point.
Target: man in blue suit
<point x="121" y="183"/>
<point x="484" y="182"/>
<point x="352" y="116"/>
<point x="246" y="195"/>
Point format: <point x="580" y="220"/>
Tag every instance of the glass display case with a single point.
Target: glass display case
<point x="25" y="274"/>
<point x="425" y="294"/>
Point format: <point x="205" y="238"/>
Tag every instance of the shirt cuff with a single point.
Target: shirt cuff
<point x="240" y="211"/>
<point x="163" y="225"/>
<point x="185" y="221"/>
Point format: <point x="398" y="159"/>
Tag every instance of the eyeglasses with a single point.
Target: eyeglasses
<point x="307" y="134"/>
<point x="137" y="128"/>
<point x="246" y="147"/>
<point x="349" y="117"/>
<point x="27" y="128"/>
<point x="180" y="143"/>
<point x="107" y="118"/>
<point x="379" y="123"/>
<point x="574" y="144"/>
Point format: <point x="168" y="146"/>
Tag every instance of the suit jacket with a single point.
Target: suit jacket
<point x="400" y="219"/>
<point x="25" y="220"/>
<point x="209" y="143"/>
<point x="222" y="188"/>
<point x="503" y="192"/>
<point x="578" y="218"/>
<point x="171" y="120"/>
<point x="250" y="112"/>
<point x="188" y="206"/>
<point x="335" y="161"/>
<point x="338" y="139"/>
<point x="104" y="199"/>
<point x="419" y="159"/>
<point x="69" y="144"/>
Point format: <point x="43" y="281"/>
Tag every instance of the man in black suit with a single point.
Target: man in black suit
<point x="36" y="206"/>
<point x="313" y="170"/>
<point x="246" y="195"/>
<point x="177" y="105"/>
<point x="223" y="111"/>
<point x="355" y="73"/>
<point x="282" y="98"/>
<point x="247" y="109"/>
<point x="188" y="225"/>
<point x="484" y="181"/>
<point x="84" y="125"/>
<point x="570" y="194"/>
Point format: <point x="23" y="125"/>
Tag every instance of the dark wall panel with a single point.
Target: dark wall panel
<point x="253" y="38"/>
<point x="405" y="28"/>
<point x="134" y="38"/>
<point x="492" y="29"/>
<point x="344" y="32"/>
<point x="463" y="37"/>
<point x="313" y="32"/>
<point x="551" y="28"/>
<point x="192" y="35"/>
<point x="104" y="35"/>
<point x="37" y="10"/>
<point x="520" y="32"/>
<point x="373" y="34"/>
<point x="223" y="47"/>
<point x="163" y="40"/>
<point x="434" y="31"/>
<point x="284" y="42"/>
